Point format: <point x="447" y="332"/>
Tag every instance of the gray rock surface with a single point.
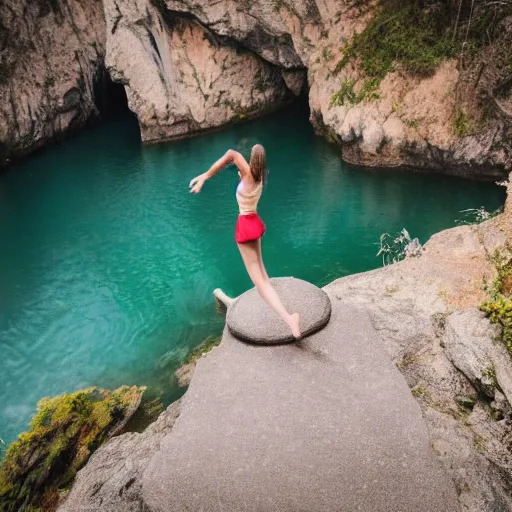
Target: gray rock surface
<point x="251" y="319"/>
<point x="325" y="425"/>
<point x="472" y="344"/>
<point x="324" y="402"/>
<point x="409" y="304"/>
<point x="111" y="480"/>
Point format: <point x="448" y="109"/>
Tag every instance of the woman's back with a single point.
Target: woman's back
<point x="248" y="201"/>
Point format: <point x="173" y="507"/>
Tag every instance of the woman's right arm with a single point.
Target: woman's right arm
<point x="231" y="156"/>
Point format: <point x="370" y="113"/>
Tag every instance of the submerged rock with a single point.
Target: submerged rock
<point x="184" y="373"/>
<point x="64" y="432"/>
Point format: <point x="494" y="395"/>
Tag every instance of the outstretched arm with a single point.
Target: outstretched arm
<point x="231" y="156"/>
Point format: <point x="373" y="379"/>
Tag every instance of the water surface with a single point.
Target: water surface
<point x="107" y="263"/>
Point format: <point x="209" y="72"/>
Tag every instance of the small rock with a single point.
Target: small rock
<point x="184" y="374"/>
<point x="467" y="339"/>
<point x="251" y="319"/>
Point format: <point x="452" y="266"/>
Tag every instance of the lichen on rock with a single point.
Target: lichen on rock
<point x="63" y="434"/>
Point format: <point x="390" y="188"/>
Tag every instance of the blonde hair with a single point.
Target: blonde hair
<point x="258" y="163"/>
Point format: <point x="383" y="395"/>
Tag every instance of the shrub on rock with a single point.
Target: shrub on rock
<point x="63" y="434"/>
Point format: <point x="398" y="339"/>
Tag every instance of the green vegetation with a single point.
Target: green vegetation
<point x="461" y="123"/>
<point x="63" y="434"/>
<point x="412" y="123"/>
<point x="205" y="347"/>
<point x="466" y="402"/>
<point x="402" y="33"/>
<point x="278" y="4"/>
<point x="326" y="54"/>
<point x="417" y="36"/>
<point x="382" y="145"/>
<point x="499" y="307"/>
<point x="347" y="94"/>
<point x="477" y="215"/>
<point x="420" y="392"/>
<point x="396" y="248"/>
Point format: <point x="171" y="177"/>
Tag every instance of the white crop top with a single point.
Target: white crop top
<point x="248" y="201"/>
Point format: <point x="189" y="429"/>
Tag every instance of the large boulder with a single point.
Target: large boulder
<point x="63" y="433"/>
<point x="472" y="345"/>
<point x="325" y="425"/>
<point x="111" y="481"/>
<point x="180" y="78"/>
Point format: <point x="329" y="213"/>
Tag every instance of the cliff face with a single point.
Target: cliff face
<point x="457" y="120"/>
<point x="51" y="54"/>
<point x="179" y="77"/>
<point x="193" y="65"/>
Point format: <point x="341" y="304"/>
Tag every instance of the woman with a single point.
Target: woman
<point x="249" y="226"/>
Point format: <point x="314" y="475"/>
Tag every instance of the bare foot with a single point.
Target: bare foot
<point x="294" y="326"/>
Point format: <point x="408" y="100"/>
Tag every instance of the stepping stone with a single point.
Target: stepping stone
<point x="250" y="319"/>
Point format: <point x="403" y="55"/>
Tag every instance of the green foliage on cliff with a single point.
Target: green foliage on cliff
<point x="418" y="35"/>
<point x="461" y="123"/>
<point x="347" y="93"/>
<point x="63" y="434"/>
<point x="499" y="307"/>
<point x="404" y="33"/>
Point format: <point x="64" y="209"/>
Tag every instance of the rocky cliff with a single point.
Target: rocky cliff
<point x="180" y="78"/>
<point x="51" y="56"/>
<point x="440" y="110"/>
<point x="436" y="99"/>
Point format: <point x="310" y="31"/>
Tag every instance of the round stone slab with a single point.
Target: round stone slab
<point x="250" y="319"/>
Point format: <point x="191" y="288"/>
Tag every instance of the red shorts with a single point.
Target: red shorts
<point x="249" y="227"/>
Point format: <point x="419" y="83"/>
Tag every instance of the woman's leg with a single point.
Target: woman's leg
<point x="250" y="256"/>
<point x="260" y="260"/>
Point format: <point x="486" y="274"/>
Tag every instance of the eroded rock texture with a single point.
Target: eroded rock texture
<point x="111" y="481"/>
<point x="51" y="56"/>
<point x="194" y="65"/>
<point x="180" y="77"/>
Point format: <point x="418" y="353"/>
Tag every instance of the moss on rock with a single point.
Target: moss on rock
<point x="207" y="345"/>
<point x="63" y="434"/>
<point x="499" y="307"/>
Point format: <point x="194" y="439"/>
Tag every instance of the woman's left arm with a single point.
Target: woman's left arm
<point x="231" y="156"/>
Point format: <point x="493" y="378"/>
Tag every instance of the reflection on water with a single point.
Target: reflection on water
<point x="108" y="263"/>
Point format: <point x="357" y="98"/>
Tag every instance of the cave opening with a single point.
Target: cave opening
<point x="109" y="96"/>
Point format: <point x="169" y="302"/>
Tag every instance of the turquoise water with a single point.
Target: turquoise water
<point x="107" y="263"/>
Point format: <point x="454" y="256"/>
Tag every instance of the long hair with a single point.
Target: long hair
<point x="258" y="164"/>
